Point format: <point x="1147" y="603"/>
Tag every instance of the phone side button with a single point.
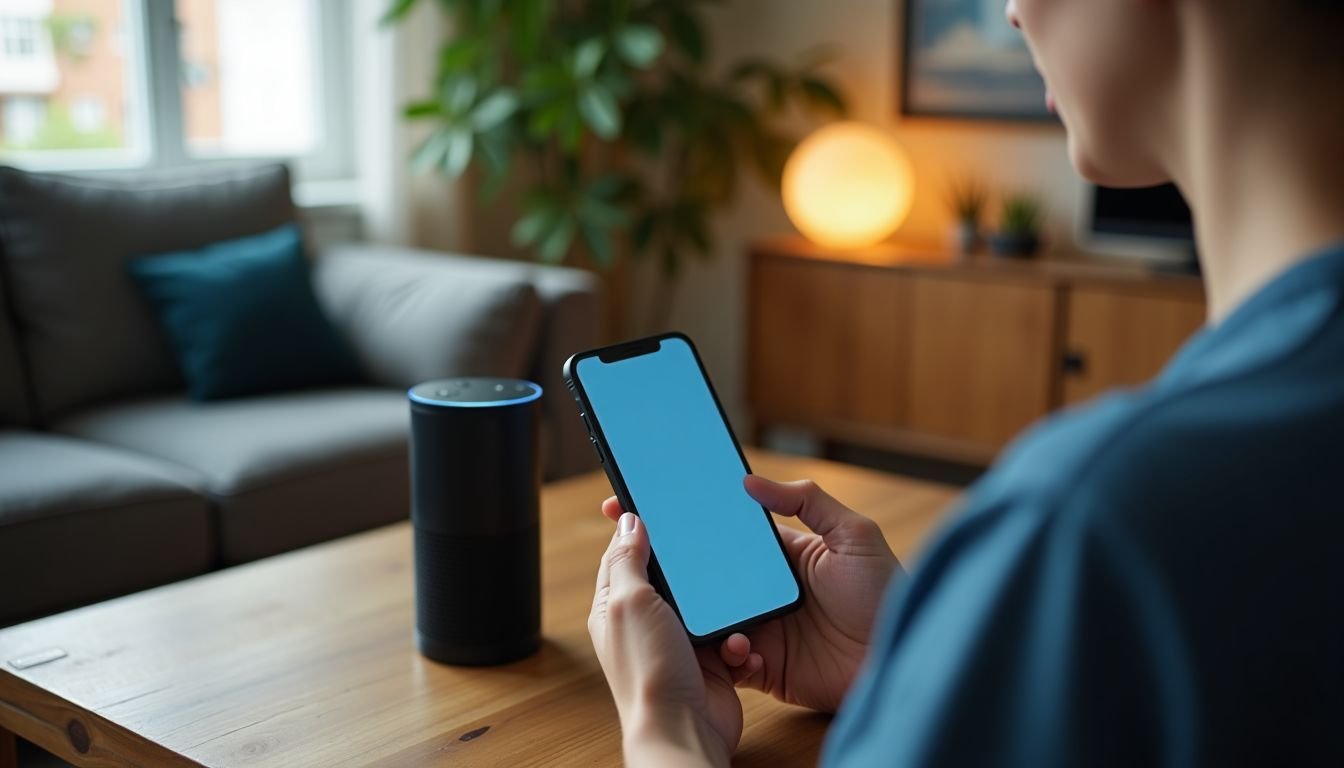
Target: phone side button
<point x="600" y="456"/>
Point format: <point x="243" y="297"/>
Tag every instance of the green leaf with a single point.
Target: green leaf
<point x="605" y="215"/>
<point x="687" y="34"/>
<point x="396" y="11"/>
<point x="494" y="109"/>
<point x="535" y="225"/>
<point x="459" y="94"/>
<point x="556" y="243"/>
<point x="587" y="57"/>
<point x="529" y="25"/>
<point x="821" y="96"/>
<point x="599" y="242"/>
<point x="571" y="132"/>
<point x="421" y="109"/>
<point x="639" y="44"/>
<point x="544" y="121"/>
<point x="430" y="151"/>
<point x="496" y="147"/>
<point x="492" y="186"/>
<point x="458" y="154"/>
<point x="609" y="186"/>
<point x="459" y="55"/>
<point x="545" y="79"/>
<point x="600" y="111"/>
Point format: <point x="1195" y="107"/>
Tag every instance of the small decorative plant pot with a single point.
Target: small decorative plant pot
<point x="964" y="237"/>
<point x="1015" y="244"/>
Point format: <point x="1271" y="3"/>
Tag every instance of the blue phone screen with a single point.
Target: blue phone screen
<point x="715" y="545"/>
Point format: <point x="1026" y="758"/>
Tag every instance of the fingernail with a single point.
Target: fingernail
<point x="626" y="526"/>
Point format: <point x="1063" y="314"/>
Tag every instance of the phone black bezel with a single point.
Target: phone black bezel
<point x="635" y="348"/>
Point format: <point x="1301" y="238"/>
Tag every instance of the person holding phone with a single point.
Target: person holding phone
<point x="1153" y="579"/>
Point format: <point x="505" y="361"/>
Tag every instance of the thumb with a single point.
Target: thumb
<point x="837" y="524"/>
<point x="628" y="554"/>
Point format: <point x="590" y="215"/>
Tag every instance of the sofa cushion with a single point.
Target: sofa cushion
<point x="282" y="470"/>
<point x="242" y="317"/>
<point x="15" y="408"/>
<point x="87" y="334"/>
<point x="81" y="522"/>
<point x="413" y="315"/>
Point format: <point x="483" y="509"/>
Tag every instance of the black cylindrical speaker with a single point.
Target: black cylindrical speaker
<point x="475" y="503"/>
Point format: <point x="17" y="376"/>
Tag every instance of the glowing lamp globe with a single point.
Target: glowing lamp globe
<point x="848" y="185"/>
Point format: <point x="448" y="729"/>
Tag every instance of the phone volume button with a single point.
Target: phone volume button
<point x="600" y="456"/>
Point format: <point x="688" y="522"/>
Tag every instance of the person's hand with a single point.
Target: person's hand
<point x="677" y="704"/>
<point x="810" y="657"/>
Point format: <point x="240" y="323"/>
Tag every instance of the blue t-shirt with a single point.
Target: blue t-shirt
<point x="1155" y="579"/>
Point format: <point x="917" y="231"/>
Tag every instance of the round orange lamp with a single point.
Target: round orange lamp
<point x="849" y="185"/>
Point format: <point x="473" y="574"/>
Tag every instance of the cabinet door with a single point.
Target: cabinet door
<point x="826" y="342"/>
<point x="982" y="357"/>
<point x="1117" y="339"/>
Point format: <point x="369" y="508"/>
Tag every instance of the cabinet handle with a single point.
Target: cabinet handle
<point x="1074" y="363"/>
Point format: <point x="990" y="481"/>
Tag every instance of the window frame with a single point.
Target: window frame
<point x="158" y="128"/>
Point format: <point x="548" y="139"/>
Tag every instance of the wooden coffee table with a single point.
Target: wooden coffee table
<point x="308" y="659"/>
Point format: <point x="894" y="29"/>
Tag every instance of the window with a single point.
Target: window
<point x="23" y="117"/>
<point x="20" y="37"/>
<point x="125" y="83"/>
<point x="251" y="81"/>
<point x="88" y="114"/>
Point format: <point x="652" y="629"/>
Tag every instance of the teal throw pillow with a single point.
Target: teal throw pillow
<point x="242" y="316"/>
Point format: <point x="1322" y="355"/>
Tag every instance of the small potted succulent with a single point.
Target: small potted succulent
<point x="1019" y="226"/>
<point x="967" y="199"/>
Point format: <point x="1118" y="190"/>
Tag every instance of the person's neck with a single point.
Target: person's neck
<point x="1264" y="171"/>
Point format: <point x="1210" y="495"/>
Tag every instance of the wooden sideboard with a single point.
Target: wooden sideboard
<point x="913" y="350"/>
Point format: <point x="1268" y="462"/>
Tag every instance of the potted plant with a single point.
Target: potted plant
<point x="628" y="142"/>
<point x="967" y="199"/>
<point x="1019" y="226"/>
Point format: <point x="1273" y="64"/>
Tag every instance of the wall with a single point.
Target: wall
<point x="710" y="305"/>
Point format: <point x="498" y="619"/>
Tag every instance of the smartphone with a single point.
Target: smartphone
<point x="672" y="459"/>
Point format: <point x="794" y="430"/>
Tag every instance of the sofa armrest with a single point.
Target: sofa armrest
<point x="413" y="315"/>
<point x="571" y="322"/>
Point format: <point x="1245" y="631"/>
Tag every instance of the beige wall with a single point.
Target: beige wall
<point x="711" y="307"/>
<point x="710" y="304"/>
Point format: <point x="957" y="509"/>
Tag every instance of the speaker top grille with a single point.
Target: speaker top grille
<point x="474" y="392"/>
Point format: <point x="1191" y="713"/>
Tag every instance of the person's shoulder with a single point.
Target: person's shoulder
<point x="1159" y="451"/>
<point x="1100" y="442"/>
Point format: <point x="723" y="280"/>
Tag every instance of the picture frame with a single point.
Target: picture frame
<point x="961" y="59"/>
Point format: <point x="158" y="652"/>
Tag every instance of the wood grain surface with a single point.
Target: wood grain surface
<point x="1122" y="339"/>
<point x="308" y="658"/>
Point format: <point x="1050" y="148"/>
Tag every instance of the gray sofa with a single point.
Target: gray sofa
<point x="112" y="481"/>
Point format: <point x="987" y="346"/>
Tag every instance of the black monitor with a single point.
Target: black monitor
<point x="1153" y="221"/>
<point x="1157" y="212"/>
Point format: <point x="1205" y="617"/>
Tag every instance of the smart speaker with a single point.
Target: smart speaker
<point x="475" y="498"/>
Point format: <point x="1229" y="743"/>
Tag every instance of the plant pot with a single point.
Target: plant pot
<point x="1018" y="245"/>
<point x="964" y="237"/>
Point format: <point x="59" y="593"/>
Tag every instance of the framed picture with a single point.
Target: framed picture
<point x="962" y="59"/>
